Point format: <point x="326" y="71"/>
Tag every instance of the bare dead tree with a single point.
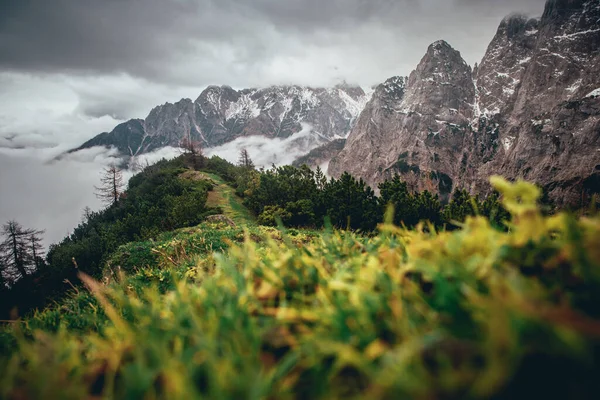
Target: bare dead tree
<point x="36" y="248"/>
<point x="193" y="151"/>
<point x="112" y="185"/>
<point x="3" y="279"/>
<point x="320" y="178"/>
<point x="20" y="250"/>
<point x="245" y="160"/>
<point x="135" y="165"/>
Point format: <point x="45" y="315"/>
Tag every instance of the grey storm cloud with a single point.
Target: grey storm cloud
<point x="185" y="42"/>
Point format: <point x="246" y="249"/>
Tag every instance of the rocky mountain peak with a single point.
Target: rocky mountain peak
<point x="549" y="128"/>
<point x="442" y="80"/>
<point x="168" y="107"/>
<point x="579" y="18"/>
<point x="440" y="46"/>
<point x="215" y="97"/>
<point x="560" y="9"/>
<point x="353" y="91"/>
<point x="530" y="109"/>
<point x="414" y="126"/>
<point x="517" y="25"/>
<point x="221" y="114"/>
<point x="440" y="53"/>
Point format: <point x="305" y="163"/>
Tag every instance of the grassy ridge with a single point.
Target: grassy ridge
<point x="231" y="312"/>
<point x="158" y="199"/>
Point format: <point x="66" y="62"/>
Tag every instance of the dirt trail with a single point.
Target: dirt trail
<point x="224" y="196"/>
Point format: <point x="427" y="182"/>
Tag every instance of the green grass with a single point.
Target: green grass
<point x="222" y="312"/>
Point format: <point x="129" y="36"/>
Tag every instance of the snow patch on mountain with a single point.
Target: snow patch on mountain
<point x="244" y="108"/>
<point x="354" y="107"/>
<point x="594" y="93"/>
<point x="572" y="36"/>
<point x="575" y="86"/>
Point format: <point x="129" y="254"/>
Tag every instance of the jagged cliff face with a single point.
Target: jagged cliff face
<point x="506" y="60"/>
<point x="531" y="109"/>
<point x="550" y="129"/>
<point x="222" y="114"/>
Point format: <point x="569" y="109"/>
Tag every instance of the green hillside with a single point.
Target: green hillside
<point x="228" y="309"/>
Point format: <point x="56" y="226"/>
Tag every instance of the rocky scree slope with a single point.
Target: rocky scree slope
<point x="530" y="109"/>
<point x="222" y="114"/>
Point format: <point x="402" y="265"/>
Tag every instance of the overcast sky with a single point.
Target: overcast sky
<point x="70" y="69"/>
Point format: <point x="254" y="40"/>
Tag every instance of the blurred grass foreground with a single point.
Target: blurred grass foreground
<point x="228" y="312"/>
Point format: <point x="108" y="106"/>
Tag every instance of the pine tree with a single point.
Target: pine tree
<point x="320" y="179"/>
<point x="20" y="250"/>
<point x="136" y="165"/>
<point x="351" y="203"/>
<point x="397" y="193"/>
<point x="245" y="173"/>
<point x="428" y="207"/>
<point x="492" y="208"/>
<point x="460" y="207"/>
<point x="111" y="187"/>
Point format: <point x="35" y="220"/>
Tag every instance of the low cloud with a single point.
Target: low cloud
<point x="49" y="195"/>
<point x="265" y="151"/>
<point x="155" y="156"/>
<point x="44" y="193"/>
<point x="123" y="96"/>
<point x="40" y="112"/>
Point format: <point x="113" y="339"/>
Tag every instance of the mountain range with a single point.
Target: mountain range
<point x="222" y="114"/>
<point x="530" y="109"/>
